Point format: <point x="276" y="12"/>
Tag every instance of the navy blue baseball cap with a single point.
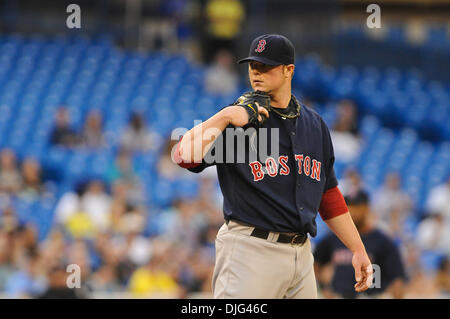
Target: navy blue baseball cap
<point x="360" y="198"/>
<point x="271" y="49"/>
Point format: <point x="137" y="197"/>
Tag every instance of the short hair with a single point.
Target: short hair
<point x="361" y="197"/>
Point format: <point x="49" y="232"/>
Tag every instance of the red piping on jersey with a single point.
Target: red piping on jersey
<point x="178" y="160"/>
<point x="332" y="204"/>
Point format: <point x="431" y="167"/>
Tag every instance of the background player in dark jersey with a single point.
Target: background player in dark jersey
<point x="270" y="204"/>
<point x="333" y="261"/>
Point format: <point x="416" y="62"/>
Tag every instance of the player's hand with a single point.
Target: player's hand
<point x="238" y="116"/>
<point x="363" y="271"/>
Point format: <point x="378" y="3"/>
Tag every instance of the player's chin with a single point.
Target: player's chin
<point x="259" y="86"/>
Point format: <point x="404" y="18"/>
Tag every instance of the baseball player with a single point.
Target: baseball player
<point x="381" y="249"/>
<point x="271" y="201"/>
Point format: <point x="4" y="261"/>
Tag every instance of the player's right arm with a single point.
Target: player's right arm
<point x="196" y="143"/>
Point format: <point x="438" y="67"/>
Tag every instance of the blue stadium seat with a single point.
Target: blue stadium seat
<point x="162" y="192"/>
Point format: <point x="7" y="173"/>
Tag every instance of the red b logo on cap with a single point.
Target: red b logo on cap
<point x="261" y="46"/>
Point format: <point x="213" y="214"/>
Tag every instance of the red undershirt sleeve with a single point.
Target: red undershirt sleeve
<point x="332" y="204"/>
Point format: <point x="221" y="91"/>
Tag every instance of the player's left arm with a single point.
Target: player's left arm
<point x="334" y="212"/>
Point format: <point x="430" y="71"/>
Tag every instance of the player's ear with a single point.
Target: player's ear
<point x="289" y="70"/>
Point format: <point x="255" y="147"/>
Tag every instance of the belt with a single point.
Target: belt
<point x="295" y="239"/>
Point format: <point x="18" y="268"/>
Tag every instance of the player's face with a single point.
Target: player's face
<point x="359" y="213"/>
<point x="265" y="77"/>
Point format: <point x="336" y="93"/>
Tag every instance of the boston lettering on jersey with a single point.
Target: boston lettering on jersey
<point x="279" y="191"/>
<point x="272" y="165"/>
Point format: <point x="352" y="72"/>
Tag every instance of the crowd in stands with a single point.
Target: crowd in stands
<point x="126" y="247"/>
<point x="21" y="179"/>
<point x="102" y="224"/>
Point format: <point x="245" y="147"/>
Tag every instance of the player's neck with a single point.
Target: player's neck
<point x="281" y="97"/>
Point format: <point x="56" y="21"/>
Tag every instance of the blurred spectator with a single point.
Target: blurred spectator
<point x="32" y="187"/>
<point x="195" y="274"/>
<point x="131" y="243"/>
<point x="344" y="132"/>
<point x="438" y="200"/>
<point x="80" y="225"/>
<point x="85" y="212"/>
<point x="173" y="28"/>
<point x="57" y="285"/>
<point x="433" y="234"/>
<point x="154" y="279"/>
<point x="92" y="135"/>
<point x="77" y="253"/>
<point x="411" y="253"/>
<point x="391" y="202"/>
<point x="53" y="248"/>
<point x="29" y="281"/>
<point x="22" y="235"/>
<point x="137" y="247"/>
<point x="221" y="77"/>
<point x="129" y="219"/>
<point x="104" y="280"/>
<point x="188" y="19"/>
<point x="10" y="178"/>
<point x="160" y="31"/>
<point x="120" y="206"/>
<point x="351" y="184"/>
<point x="223" y="18"/>
<point x="380" y="248"/>
<point x="185" y="224"/>
<point x="109" y="254"/>
<point x="19" y="229"/>
<point x="124" y="267"/>
<point x="128" y="223"/>
<point x="443" y="277"/>
<point x="396" y="227"/>
<point x="123" y="169"/>
<point x="62" y="133"/>
<point x="137" y="137"/>
<point x="347" y="118"/>
<point x="68" y="205"/>
<point x="96" y="202"/>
